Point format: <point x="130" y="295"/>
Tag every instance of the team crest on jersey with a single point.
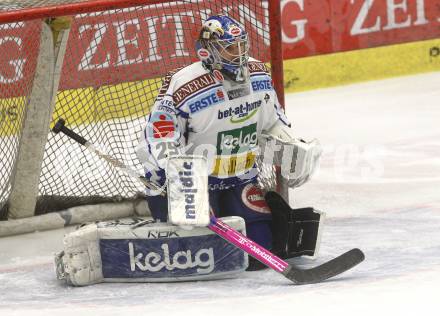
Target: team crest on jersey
<point x="267" y="97"/>
<point x="161" y="126"/>
<point x="253" y="198"/>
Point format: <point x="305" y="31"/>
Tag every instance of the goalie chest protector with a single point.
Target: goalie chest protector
<point x="139" y="250"/>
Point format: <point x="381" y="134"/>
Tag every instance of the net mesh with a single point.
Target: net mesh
<point x="112" y="71"/>
<point x="37" y="3"/>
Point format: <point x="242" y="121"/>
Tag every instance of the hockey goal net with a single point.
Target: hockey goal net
<point x="98" y="65"/>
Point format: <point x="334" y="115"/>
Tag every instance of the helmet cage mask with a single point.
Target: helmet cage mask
<point x="231" y="56"/>
<point x="230" y="52"/>
<point x="228" y="55"/>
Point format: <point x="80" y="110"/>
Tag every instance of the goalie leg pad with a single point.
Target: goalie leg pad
<point x="136" y="250"/>
<point x="296" y="232"/>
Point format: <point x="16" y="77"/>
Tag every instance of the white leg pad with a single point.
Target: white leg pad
<point x="139" y="250"/>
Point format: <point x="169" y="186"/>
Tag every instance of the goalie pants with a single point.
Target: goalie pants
<point x="246" y="201"/>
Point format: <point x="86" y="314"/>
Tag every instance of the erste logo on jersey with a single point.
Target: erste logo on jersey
<point x="261" y="83"/>
<point x="205" y="100"/>
<point x="240" y="113"/>
<point x="253" y="198"/>
<point x="162" y="126"/>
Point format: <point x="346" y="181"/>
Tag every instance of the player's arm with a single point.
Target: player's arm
<point x="162" y="137"/>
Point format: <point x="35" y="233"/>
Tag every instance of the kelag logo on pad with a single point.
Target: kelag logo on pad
<point x="238" y="140"/>
<point x="202" y="260"/>
<point x="168" y="257"/>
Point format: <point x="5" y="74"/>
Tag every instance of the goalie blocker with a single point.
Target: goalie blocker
<point x="296" y="232"/>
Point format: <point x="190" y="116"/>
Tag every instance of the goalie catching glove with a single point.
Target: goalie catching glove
<point x="297" y="158"/>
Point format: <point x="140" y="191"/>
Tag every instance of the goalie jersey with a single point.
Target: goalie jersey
<point x="198" y="112"/>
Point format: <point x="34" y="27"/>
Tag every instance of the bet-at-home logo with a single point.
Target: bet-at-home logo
<point x="240" y="113"/>
<point x="238" y="140"/>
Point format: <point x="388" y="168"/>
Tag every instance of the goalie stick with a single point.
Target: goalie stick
<point x="297" y="275"/>
<point x="60" y="126"/>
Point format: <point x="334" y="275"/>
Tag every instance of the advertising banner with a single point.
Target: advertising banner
<point x="130" y="45"/>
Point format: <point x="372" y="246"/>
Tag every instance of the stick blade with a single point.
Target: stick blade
<point x="329" y="269"/>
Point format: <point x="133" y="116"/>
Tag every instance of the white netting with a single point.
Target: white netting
<point x="113" y="68"/>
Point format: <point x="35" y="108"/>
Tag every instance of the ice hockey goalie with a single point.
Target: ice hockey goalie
<point x="225" y="109"/>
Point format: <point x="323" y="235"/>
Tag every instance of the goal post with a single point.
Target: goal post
<point x="101" y="73"/>
<point x="36" y="119"/>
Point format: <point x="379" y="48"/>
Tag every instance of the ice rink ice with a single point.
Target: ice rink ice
<point x="379" y="183"/>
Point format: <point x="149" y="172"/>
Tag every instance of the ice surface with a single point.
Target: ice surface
<point x="379" y="184"/>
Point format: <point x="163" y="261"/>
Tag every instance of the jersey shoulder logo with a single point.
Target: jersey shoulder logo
<point x="161" y="126"/>
<point x="258" y="67"/>
<point x="166" y="82"/>
<point x="192" y="87"/>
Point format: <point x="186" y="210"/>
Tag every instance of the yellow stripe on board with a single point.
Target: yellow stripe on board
<point x="361" y="65"/>
<point x="90" y="105"/>
<point x="87" y="105"/>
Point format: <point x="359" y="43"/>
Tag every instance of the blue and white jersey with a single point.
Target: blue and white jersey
<point x="197" y="112"/>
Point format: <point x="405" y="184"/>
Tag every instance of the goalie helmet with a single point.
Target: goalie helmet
<point x="223" y="46"/>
